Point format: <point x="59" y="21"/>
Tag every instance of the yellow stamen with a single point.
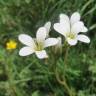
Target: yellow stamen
<point x="39" y="46"/>
<point x="71" y="35"/>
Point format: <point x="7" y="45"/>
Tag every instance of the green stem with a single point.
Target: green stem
<point x="12" y="90"/>
<point x="10" y="79"/>
<point x="65" y="59"/>
<point x="66" y="55"/>
<point x="63" y="82"/>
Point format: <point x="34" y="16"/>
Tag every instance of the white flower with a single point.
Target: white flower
<point x="47" y="26"/>
<point x="71" y="27"/>
<point x="36" y="45"/>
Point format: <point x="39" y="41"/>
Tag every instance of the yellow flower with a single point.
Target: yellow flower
<point x="11" y="45"/>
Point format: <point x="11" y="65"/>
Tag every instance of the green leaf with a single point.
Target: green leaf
<point x="27" y="1"/>
<point x="36" y="93"/>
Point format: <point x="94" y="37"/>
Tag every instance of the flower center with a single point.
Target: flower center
<point x="39" y="46"/>
<point x="71" y="35"/>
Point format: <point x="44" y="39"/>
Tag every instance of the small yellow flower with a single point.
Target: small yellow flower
<point x="11" y="45"/>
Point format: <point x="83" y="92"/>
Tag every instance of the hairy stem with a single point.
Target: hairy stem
<point x="64" y="82"/>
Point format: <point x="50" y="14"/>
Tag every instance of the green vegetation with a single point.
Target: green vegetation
<point x="29" y="76"/>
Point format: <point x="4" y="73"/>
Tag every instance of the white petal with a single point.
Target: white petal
<point x="26" y="51"/>
<point x="26" y="39"/>
<point x="77" y="27"/>
<point x="59" y="42"/>
<point x="83" y="38"/>
<point x="47" y="26"/>
<point x="84" y="29"/>
<point x="64" y="18"/>
<point x="72" y="42"/>
<point x="61" y="28"/>
<point x="41" y="54"/>
<point x="50" y="42"/>
<point x="41" y="34"/>
<point x="75" y="17"/>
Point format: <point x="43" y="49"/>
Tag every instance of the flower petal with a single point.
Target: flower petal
<point x="77" y="27"/>
<point x="83" y="38"/>
<point x="72" y="42"/>
<point x="62" y="28"/>
<point x="50" y="42"/>
<point x="41" y="54"/>
<point x="75" y="18"/>
<point x="84" y="29"/>
<point x="26" y="51"/>
<point x="26" y="39"/>
<point x="41" y="34"/>
<point x="64" y="18"/>
<point x="47" y="26"/>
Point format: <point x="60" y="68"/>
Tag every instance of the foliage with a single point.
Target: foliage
<point x="28" y="76"/>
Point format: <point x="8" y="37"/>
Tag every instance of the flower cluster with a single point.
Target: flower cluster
<point x="70" y="28"/>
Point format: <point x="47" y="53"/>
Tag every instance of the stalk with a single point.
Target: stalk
<point x="64" y="82"/>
